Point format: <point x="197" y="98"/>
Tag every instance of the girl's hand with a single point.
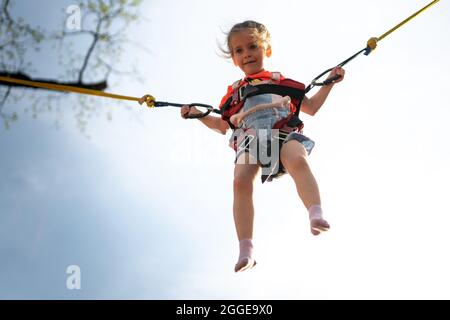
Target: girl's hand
<point x="337" y="71"/>
<point x="188" y="111"/>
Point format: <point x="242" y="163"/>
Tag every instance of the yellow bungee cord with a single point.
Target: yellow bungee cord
<point x="151" y="102"/>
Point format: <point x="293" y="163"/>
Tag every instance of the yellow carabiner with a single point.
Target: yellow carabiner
<point x="372" y="43"/>
<point x="150" y="101"/>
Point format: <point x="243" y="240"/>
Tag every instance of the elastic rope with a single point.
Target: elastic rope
<point x="371" y="45"/>
<point x="60" y="87"/>
<point x="406" y="20"/>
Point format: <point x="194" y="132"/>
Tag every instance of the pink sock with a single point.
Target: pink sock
<point x="245" y="248"/>
<point x="318" y="223"/>
<point x="245" y="260"/>
<point x="315" y="212"/>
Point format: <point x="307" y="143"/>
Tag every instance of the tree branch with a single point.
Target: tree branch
<point x="8" y="91"/>
<point x="5" y="10"/>
<point x="102" y="85"/>
<point x="86" y="58"/>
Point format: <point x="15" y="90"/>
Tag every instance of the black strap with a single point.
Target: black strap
<point x="208" y="108"/>
<point x="251" y="91"/>
<point x="332" y="79"/>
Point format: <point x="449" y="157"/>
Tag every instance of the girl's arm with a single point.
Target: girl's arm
<point x="214" y="123"/>
<point x="312" y="105"/>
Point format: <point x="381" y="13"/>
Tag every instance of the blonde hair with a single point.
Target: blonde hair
<point x="258" y="30"/>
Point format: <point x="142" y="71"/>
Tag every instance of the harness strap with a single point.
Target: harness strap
<point x="276" y="76"/>
<point x="236" y="84"/>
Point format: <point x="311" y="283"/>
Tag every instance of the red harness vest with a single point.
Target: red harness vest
<point x="242" y="89"/>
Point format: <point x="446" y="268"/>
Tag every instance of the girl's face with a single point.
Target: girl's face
<point x="247" y="53"/>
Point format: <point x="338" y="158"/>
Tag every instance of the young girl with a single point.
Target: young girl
<point x="248" y="45"/>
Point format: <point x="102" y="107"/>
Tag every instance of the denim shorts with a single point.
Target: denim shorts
<point x="246" y="142"/>
<point x="260" y="123"/>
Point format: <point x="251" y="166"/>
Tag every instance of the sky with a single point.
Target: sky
<point x="142" y="203"/>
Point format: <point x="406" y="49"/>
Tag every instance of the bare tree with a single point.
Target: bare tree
<point x="101" y="26"/>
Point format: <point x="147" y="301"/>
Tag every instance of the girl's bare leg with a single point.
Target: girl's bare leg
<point x="244" y="176"/>
<point x="294" y="159"/>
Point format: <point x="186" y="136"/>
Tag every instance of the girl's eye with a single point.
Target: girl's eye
<point x="254" y="46"/>
<point x="238" y="51"/>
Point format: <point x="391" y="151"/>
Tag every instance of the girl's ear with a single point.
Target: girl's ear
<point x="268" y="51"/>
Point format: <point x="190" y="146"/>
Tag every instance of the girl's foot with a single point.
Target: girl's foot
<point x="244" y="264"/>
<point x="318" y="225"/>
<point x="317" y="222"/>
<point x="245" y="261"/>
